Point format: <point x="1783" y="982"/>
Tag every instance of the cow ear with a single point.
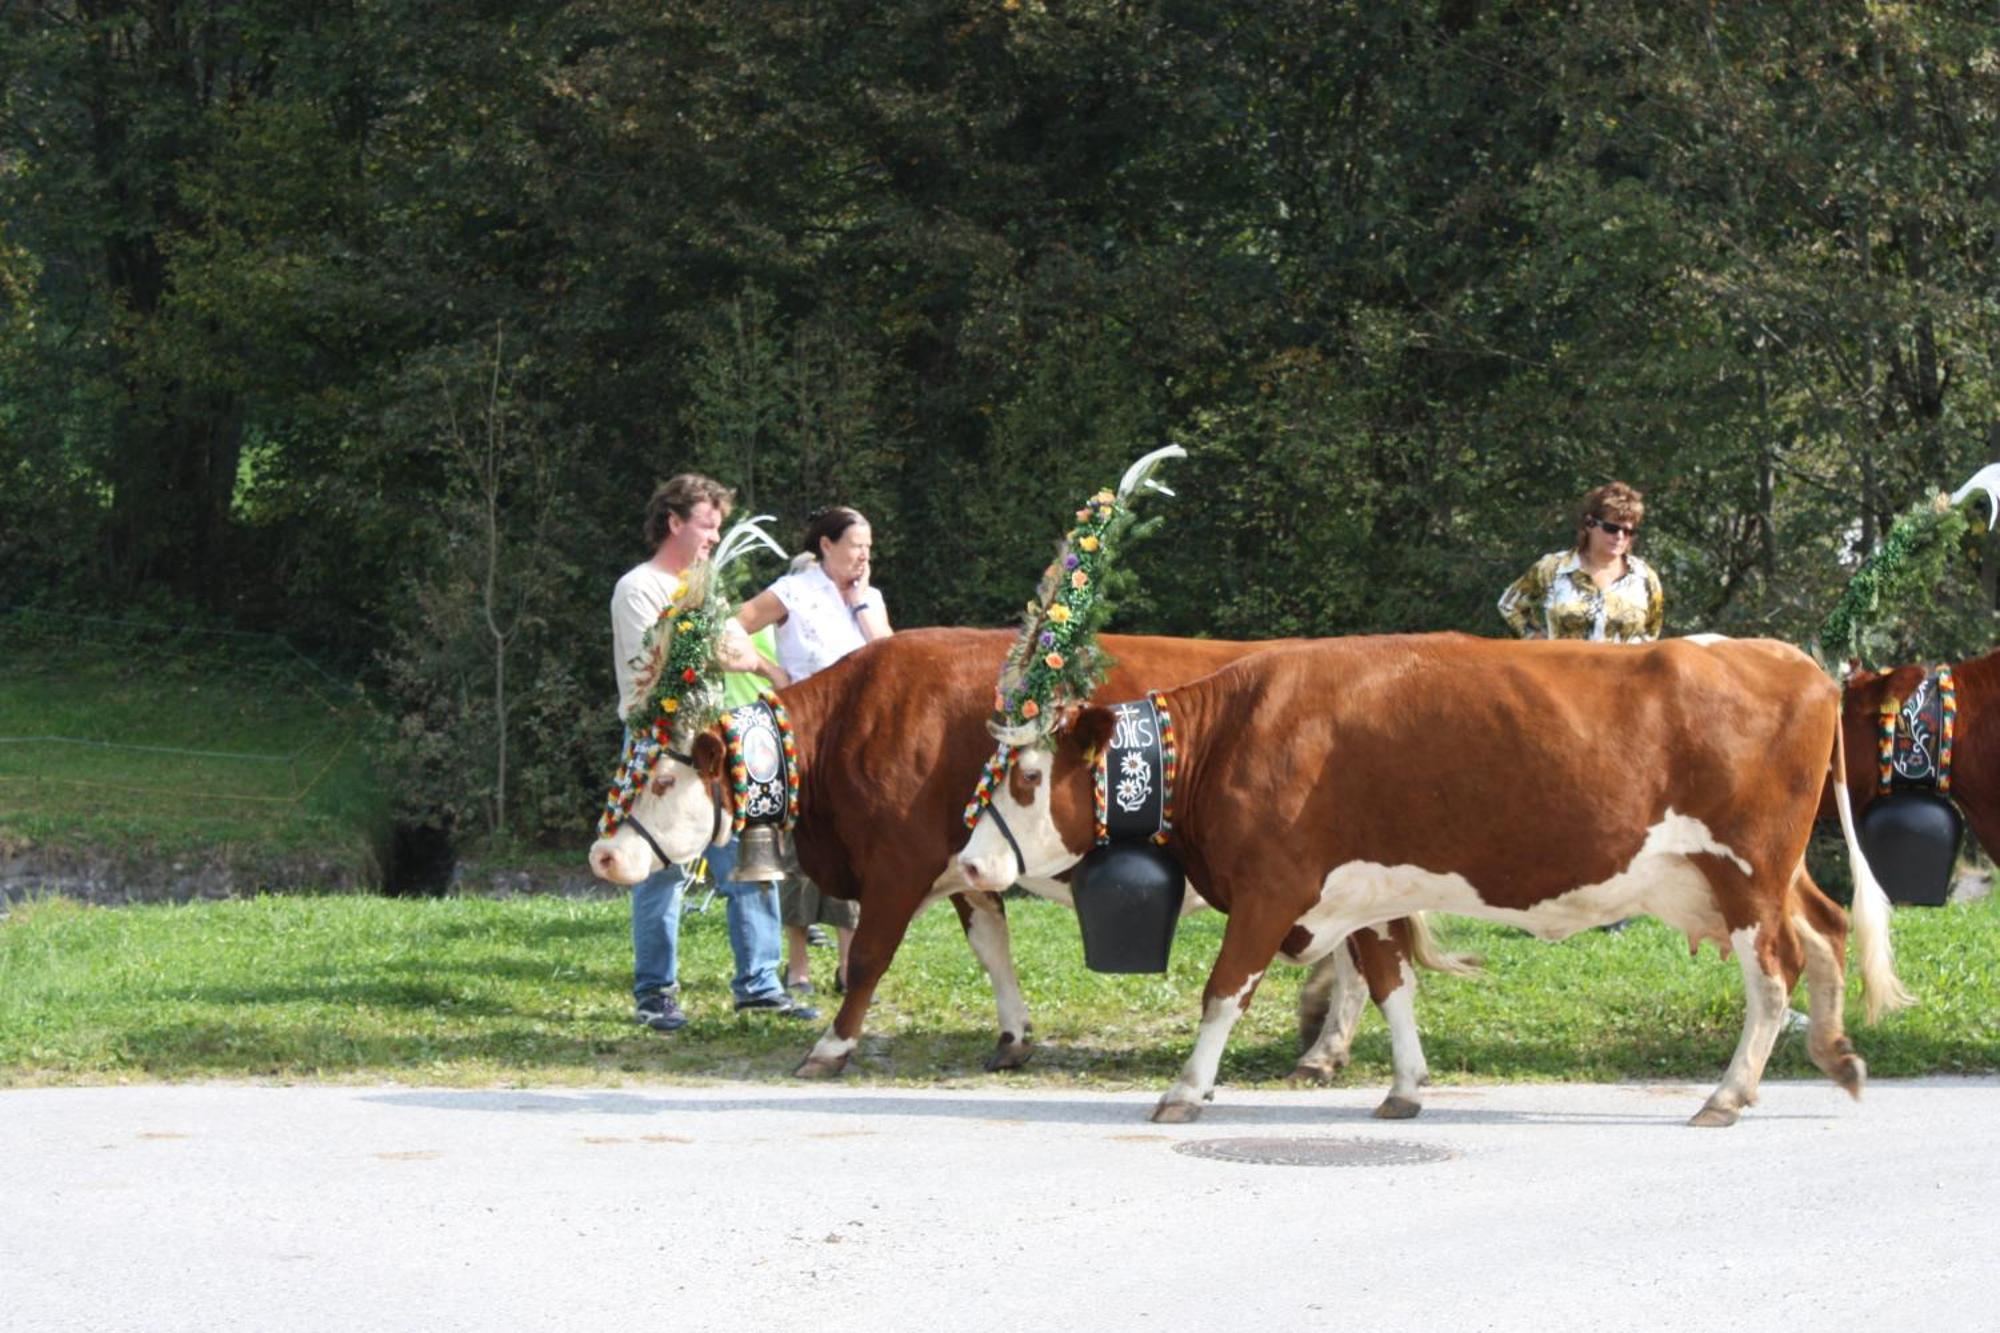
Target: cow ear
<point x="1091" y="729"/>
<point x="710" y="755"/>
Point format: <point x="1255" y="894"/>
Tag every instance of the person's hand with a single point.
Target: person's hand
<point x="733" y="648"/>
<point x="856" y="588"/>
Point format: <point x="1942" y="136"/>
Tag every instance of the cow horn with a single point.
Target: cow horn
<point x="1141" y="472"/>
<point x="1987" y="482"/>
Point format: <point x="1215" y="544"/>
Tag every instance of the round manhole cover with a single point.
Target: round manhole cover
<point x="1317" y="1152"/>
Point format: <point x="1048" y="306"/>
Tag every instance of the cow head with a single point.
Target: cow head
<point x="662" y="805"/>
<point x="1045" y="803"/>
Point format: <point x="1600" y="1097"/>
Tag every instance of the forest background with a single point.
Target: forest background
<point x="373" y="323"/>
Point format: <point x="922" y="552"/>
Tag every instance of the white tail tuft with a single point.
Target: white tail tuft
<point x="1424" y="951"/>
<point x="1869" y="911"/>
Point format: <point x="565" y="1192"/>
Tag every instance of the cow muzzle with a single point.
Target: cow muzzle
<point x="988" y="863"/>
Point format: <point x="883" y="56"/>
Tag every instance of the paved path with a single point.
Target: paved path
<point x="825" y="1209"/>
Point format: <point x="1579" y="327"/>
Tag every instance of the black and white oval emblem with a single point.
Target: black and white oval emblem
<point x="760" y="752"/>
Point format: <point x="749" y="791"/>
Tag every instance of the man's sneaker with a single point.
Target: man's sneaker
<point x="784" y="1006"/>
<point x="661" y="1011"/>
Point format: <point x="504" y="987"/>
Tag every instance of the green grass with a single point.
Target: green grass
<point x="161" y="746"/>
<point x="479" y="991"/>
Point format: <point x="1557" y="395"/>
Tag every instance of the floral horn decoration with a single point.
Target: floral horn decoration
<point x="677" y="689"/>
<point x="1056" y="662"/>
<point x="1910" y="561"/>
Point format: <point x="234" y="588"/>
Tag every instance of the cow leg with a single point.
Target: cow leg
<point x="1822" y="929"/>
<point x="984" y="919"/>
<point x="1765" y="991"/>
<point x="876" y="940"/>
<point x="1330" y="1004"/>
<point x="1249" y="943"/>
<point x="1406" y="1048"/>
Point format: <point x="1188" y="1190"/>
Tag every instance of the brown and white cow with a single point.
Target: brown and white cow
<point x="1553" y="786"/>
<point x="892" y="740"/>
<point x="1975" y="765"/>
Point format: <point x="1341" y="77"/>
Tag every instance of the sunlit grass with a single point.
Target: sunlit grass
<point x="477" y="991"/>
<point x="158" y="753"/>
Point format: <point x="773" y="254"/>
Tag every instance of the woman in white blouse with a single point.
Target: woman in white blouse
<point x="824" y="609"/>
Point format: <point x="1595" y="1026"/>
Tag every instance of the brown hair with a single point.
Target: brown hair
<point x="829" y="524"/>
<point x="678" y="497"/>
<point x="1613" y="500"/>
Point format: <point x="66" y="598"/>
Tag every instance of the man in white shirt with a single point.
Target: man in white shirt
<point x="683" y="523"/>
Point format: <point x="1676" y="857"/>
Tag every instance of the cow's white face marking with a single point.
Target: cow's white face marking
<point x="1659" y="880"/>
<point x="676" y="808"/>
<point x="988" y="861"/>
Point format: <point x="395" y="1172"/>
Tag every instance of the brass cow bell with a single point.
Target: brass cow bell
<point x="759" y="856"/>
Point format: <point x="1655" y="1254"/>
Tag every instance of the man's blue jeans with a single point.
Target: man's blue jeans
<point x="754" y="934"/>
<point x="656" y="931"/>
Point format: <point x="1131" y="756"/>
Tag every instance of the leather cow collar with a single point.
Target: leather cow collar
<point x="1134" y="777"/>
<point x="1916" y="736"/>
<point x="763" y="764"/>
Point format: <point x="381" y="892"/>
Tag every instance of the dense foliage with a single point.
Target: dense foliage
<point x="375" y="322"/>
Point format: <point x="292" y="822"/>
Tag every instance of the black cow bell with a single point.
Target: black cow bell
<point x="1128" y="900"/>
<point x="1911" y="841"/>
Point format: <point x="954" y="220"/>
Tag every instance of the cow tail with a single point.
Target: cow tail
<point x="1869" y="912"/>
<point x="1424" y="951"/>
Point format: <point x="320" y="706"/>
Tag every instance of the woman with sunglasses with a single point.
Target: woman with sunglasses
<point x="1599" y="590"/>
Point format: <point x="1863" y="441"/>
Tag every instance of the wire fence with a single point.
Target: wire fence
<point x="110" y="714"/>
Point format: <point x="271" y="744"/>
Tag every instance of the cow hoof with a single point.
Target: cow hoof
<point x="1851" y="1073"/>
<point x="816" y="1068"/>
<point x="1176" y="1113"/>
<point x="1713" y="1117"/>
<point x="1009" y="1056"/>
<point x="1318" y="1075"/>
<point x="1397" y="1108"/>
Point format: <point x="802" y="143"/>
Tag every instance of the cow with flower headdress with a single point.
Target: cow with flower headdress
<point x="889" y="741"/>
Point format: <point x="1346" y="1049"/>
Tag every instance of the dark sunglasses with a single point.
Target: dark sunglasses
<point x="1615" y="529"/>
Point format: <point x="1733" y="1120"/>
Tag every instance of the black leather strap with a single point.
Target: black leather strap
<point x="1000" y="821"/>
<point x="633" y="820"/>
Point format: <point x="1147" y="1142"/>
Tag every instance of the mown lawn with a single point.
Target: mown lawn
<point x="479" y="991"/>
<point x="165" y="745"/>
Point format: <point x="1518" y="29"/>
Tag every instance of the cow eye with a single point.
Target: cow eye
<point x="1033" y="776"/>
<point x="662" y="784"/>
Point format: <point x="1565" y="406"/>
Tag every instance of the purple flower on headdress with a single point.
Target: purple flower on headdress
<point x="1070" y="561"/>
<point x="1048" y="639"/>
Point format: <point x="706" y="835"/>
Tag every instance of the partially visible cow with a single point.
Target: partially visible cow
<point x="892" y="740"/>
<point x="1553" y="786"/>
<point x="1975" y="765"/>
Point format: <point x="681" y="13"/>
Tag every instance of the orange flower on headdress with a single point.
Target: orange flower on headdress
<point x="1030" y="709"/>
<point x="1055" y="661"/>
<point x="1079" y="579"/>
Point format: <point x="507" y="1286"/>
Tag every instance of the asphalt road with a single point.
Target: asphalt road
<point x="826" y="1209"/>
